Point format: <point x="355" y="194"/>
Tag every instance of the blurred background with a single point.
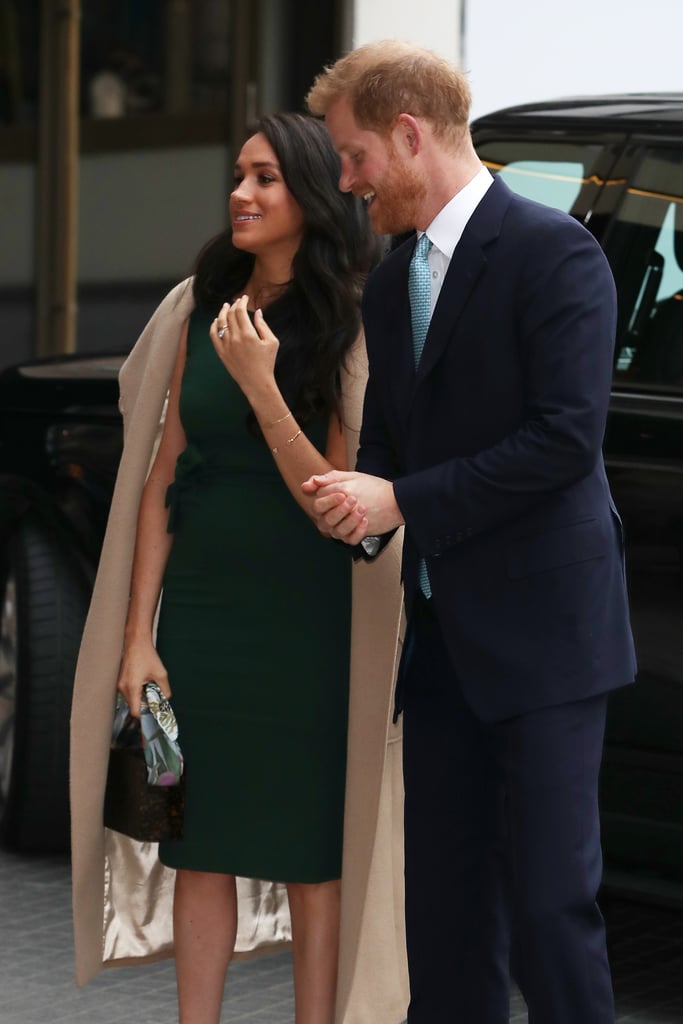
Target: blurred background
<point x="120" y="119"/>
<point x="119" y="124"/>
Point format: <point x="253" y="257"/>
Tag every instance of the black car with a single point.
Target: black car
<point x="616" y="164"/>
<point x="60" y="444"/>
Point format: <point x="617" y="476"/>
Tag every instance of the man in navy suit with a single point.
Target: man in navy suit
<point x="487" y="446"/>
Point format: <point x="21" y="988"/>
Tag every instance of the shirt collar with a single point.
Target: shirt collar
<point x="447" y="227"/>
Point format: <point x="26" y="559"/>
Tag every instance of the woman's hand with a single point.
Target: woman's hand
<point x="247" y="351"/>
<point x="140" y="664"/>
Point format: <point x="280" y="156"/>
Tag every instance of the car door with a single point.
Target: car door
<point x="642" y="779"/>
<point x="629" y="192"/>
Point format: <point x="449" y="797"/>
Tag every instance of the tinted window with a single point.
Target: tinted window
<point x="553" y="184"/>
<point x="646" y="248"/>
<point x="550" y="173"/>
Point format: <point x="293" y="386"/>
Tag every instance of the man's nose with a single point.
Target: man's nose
<point x="346" y="179"/>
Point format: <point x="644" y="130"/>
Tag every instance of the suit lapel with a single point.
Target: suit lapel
<point x="397" y="317"/>
<point x="464" y="270"/>
<point x="466" y="267"/>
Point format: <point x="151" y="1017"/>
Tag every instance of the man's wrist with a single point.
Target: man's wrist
<point x="398" y="515"/>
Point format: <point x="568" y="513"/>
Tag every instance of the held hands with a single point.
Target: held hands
<point x="351" y="506"/>
<point x="246" y="350"/>
<point x="140" y="664"/>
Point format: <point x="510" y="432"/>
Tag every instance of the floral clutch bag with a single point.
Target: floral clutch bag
<point x="155" y="732"/>
<point x="145" y="782"/>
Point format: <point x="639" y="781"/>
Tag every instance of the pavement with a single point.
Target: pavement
<point x="37" y="981"/>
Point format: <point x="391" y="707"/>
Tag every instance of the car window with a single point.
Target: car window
<point x="555" y="184"/>
<point x="645" y="245"/>
<point x="551" y="173"/>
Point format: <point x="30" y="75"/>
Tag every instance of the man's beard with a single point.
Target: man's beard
<point x="398" y="200"/>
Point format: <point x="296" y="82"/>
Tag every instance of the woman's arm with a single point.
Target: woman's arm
<point x="248" y="353"/>
<point x="140" y="661"/>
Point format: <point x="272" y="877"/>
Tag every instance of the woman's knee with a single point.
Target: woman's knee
<point x="205" y="883"/>
<point x="314" y="897"/>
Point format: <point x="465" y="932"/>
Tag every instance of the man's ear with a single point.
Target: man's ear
<point x="410" y="132"/>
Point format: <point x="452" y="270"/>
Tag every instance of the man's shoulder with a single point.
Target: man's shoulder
<point x="530" y="215"/>
<point x="542" y="239"/>
<point x="501" y="210"/>
<point x="526" y="230"/>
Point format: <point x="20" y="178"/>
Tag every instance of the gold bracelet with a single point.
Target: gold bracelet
<point x="290" y="440"/>
<point x="281" y="420"/>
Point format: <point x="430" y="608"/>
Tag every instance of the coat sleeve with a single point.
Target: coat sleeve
<point x="378" y="450"/>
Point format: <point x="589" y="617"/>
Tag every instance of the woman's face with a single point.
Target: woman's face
<point x="265" y="216"/>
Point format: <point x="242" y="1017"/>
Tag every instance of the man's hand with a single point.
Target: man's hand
<point x="351" y="506"/>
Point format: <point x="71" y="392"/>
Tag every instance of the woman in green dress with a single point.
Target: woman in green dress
<point x="253" y="632"/>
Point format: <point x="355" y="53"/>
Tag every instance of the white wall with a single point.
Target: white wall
<point x="518" y="51"/>
<point x="431" y="23"/>
<point x="145" y="215"/>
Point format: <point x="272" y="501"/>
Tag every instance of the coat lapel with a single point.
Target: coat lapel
<point x="466" y="267"/>
<point x="401" y="372"/>
<point x="464" y="270"/>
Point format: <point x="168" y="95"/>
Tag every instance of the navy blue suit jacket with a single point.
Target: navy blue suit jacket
<point x="494" y="447"/>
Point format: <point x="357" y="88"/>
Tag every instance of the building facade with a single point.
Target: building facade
<point x="119" y="122"/>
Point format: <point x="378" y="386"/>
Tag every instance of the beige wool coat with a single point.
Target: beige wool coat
<point x="122" y="894"/>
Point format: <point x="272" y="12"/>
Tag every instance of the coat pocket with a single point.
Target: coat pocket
<point x="552" y="549"/>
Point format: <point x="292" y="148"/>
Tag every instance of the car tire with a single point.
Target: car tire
<point x="44" y="603"/>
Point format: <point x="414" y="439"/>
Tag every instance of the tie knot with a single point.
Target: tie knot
<point x="423" y="246"/>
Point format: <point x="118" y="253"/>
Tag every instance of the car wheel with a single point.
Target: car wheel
<point x="44" y="603"/>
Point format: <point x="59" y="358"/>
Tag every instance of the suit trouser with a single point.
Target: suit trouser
<point x="503" y="852"/>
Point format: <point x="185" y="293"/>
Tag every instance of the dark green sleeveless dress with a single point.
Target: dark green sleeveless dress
<point x="254" y="633"/>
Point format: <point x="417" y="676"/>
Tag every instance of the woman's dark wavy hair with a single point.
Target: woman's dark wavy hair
<point x="317" y="318"/>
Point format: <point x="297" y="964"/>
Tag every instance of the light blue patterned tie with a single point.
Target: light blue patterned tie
<point x="419" y="291"/>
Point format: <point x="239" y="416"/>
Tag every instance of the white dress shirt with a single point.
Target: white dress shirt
<point x="447" y="227"/>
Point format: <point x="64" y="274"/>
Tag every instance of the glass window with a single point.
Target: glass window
<point x="146" y="56"/>
<point x="646" y="243"/>
<point x="550" y="173"/>
<point x="555" y="184"/>
<point x="137" y="56"/>
<point x="19" y="58"/>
